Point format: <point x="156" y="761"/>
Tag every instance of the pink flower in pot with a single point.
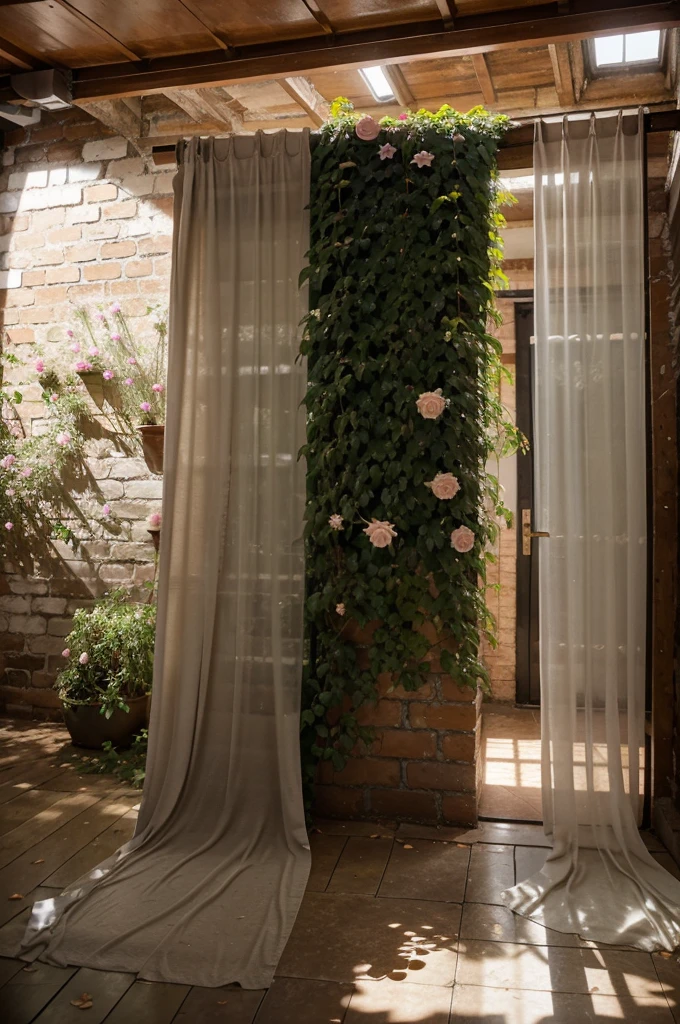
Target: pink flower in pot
<point x="155" y="520"/>
<point x="84" y="658"/>
<point x="39" y="366"/>
<point x="158" y="388"/>
<point x="8" y="461"/>
<point x="380" y="533"/>
<point x="462" y="539"/>
<point x="145" y="406"/>
<point x="63" y="439"/>
<point x="66" y="653"/>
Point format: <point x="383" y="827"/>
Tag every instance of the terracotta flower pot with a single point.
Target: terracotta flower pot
<point x="90" y="729"/>
<point x="94" y="383"/>
<point x="153" y="440"/>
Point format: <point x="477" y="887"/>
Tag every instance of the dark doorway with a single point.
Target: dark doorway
<point x="528" y="678"/>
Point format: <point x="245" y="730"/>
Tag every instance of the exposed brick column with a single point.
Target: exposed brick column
<point x="423" y="765"/>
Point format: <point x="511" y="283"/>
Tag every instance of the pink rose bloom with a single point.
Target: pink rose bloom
<point x="380" y="533"/>
<point x="386" y="152"/>
<point x="367" y="128"/>
<point x="106" y="510"/>
<point x="403" y="117"/>
<point x="63" y="439"/>
<point x="158" y="388"/>
<point x="8" y="461"/>
<point x="155" y="520"/>
<point x="66" y="653"/>
<point x="340" y="609"/>
<point x="54" y="397"/>
<point x="26" y="471"/>
<point x="462" y="539"/>
<point x="84" y="658"/>
<point x="83" y="367"/>
<point x="70" y="334"/>
<point x="75" y="347"/>
<point x="423" y="159"/>
<point x="107" y="374"/>
<point x="39" y="366"/>
<point x="93" y="352"/>
<point x="115" y="337"/>
<point x="99" y="316"/>
<point x="444" y="486"/>
<point x="145" y="406"/>
<point x="430" y="404"/>
<point x="128" y="381"/>
<point x="9" y="526"/>
<point x="132" y="361"/>
<point x="335" y="522"/>
<point x="10" y="492"/>
<point x="115" y="308"/>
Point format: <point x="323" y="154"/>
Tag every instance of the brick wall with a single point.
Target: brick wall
<point x="83" y="219"/>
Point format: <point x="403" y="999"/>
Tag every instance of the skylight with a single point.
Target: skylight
<point x="376" y="80"/>
<point x="624" y="50"/>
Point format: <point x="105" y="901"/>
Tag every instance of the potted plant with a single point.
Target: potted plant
<point x="105" y="685"/>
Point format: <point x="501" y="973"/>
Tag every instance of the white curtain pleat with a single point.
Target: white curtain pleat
<point x="590" y="458"/>
<point x="207" y="891"/>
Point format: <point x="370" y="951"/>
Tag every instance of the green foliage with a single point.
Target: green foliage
<point x="118" y="639"/>
<point x="127" y="765"/>
<point x="403" y="265"/>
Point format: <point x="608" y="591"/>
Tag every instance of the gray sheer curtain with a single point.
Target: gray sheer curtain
<point x="207" y="891"/>
<point x="589" y="412"/>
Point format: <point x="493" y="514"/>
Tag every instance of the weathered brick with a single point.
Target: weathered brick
<point x="102" y="271"/>
<point x="32" y="278"/>
<point x="406" y="743"/>
<point x="403" y="803"/>
<point x="120" y="210"/>
<point x="84" y="172"/>
<point x="138" y="268"/>
<point x="365" y="772"/>
<point x="82" y="253"/>
<point x="460" y="717"/>
<point x="144" y="489"/>
<point x="460" y="809"/>
<point x="105" y="149"/>
<point x="118" y="250"/>
<point x="16" y="604"/>
<point x="87" y="213"/>
<point x="49" y="605"/>
<point x="103" y="193"/>
<point x="62" y="275"/>
<point x="338" y="801"/>
<point x="59" y="235"/>
<point x="384" y="712"/>
<point x="27" y="624"/>
<point x="64" y="152"/>
<point x="460" y="746"/>
<point x="27" y="179"/>
<point x="157" y="245"/>
<point x="59" y="626"/>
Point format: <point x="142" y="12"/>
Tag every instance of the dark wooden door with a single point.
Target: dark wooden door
<point x="528" y="678"/>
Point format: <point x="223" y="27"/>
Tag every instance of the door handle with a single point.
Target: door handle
<point x="528" y="533"/>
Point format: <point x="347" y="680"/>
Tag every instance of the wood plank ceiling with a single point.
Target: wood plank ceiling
<point x="156" y="70"/>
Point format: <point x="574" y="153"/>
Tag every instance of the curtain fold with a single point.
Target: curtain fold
<point x="590" y="459"/>
<point x="207" y="891"/>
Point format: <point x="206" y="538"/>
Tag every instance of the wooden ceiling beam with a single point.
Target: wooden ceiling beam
<point x="305" y="95"/>
<point x="218" y="38"/>
<point x="319" y="16"/>
<point x="448" y="11"/>
<point x="400" y="87"/>
<point x="481" y="66"/>
<point x="15" y="55"/>
<point x="98" y="30"/>
<point x="502" y="30"/>
<point x="561" y="65"/>
<point x="124" y="117"/>
<point x="214" y="105"/>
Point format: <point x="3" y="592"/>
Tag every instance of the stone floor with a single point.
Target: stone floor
<point x="399" y="924"/>
<point x="511" y="752"/>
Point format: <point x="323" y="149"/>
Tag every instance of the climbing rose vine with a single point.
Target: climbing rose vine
<point x="403" y="407"/>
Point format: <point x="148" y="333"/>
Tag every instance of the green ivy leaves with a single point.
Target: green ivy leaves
<point x="402" y="270"/>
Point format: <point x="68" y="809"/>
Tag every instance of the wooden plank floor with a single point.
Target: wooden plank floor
<point x="399" y="924"/>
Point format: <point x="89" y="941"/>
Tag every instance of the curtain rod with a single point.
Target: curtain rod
<point x="519" y="135"/>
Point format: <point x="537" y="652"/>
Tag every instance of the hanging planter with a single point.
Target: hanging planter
<point x="95" y="385"/>
<point x="153" y="440"/>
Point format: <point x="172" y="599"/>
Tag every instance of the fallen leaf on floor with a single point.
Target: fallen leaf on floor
<point x="221" y="1002"/>
<point x="407" y="846"/>
<point x="16" y="896"/>
<point x="462" y="846"/>
<point x="84" y="1002"/>
<point x="386" y="837"/>
<point x="29" y="968"/>
<point x="374" y="836"/>
<point x="666" y="956"/>
<point x="41" y="860"/>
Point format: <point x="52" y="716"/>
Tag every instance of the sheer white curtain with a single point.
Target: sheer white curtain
<point x="589" y="406"/>
<point x="207" y="891"/>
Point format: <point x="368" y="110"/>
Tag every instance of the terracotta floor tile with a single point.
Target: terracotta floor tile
<point x="299" y="1001"/>
<point x="528" y="861"/>
<point x="361" y="866"/>
<point x="330" y="827"/>
<point x="506" y="833"/>
<point x="477" y="1005"/>
<point x="345" y="938"/>
<point x="668" y="972"/>
<point x="498" y="924"/>
<point x="492" y="869"/>
<point x="227" y="1005"/>
<point x="326" y="852"/>
<point x="425" y="870"/>
<point x="444" y="833"/>
<point x="561" y="969"/>
<point x="510" y="802"/>
<point x="398" y="1002"/>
